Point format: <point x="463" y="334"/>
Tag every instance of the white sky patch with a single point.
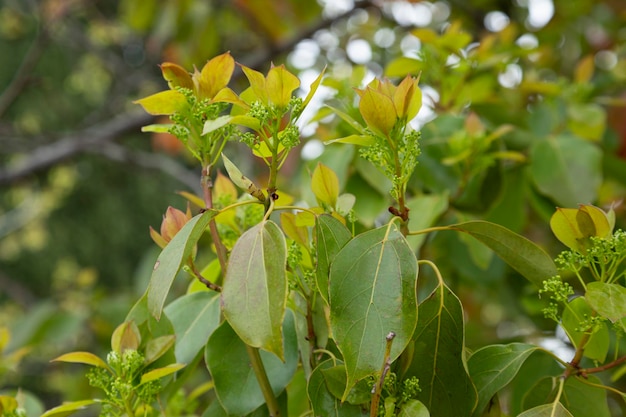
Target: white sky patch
<point x="359" y="51"/>
<point x="333" y="8"/>
<point x="312" y="149"/>
<point x="527" y="41"/>
<point x="384" y="37"/>
<point x="307" y="77"/>
<point x="305" y="54"/>
<point x="411" y="14"/>
<point x="539" y="13"/>
<point x="496" y="21"/>
<point x="430" y="96"/>
<point x="511" y="77"/>
<point x="410" y="46"/>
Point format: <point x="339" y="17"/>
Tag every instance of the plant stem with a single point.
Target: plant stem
<point x="207" y="186"/>
<point x="603" y="367"/>
<point x="378" y="387"/>
<point x="264" y="382"/>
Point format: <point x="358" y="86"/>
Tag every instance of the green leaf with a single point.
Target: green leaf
<point x="163" y="103"/>
<point x="372" y="293"/>
<point x="438" y="362"/>
<point x="336" y="382"/>
<point x="348" y="119"/>
<point x="313" y="88"/>
<point x="361" y="140"/>
<point x="378" y="111"/>
<point x="68" y="408"/>
<point x="331" y="235"/>
<point x="587" y="120"/>
<point x="194" y="317"/>
<point x="547" y="410"/>
<point x="609" y="300"/>
<point x="521" y="254"/>
<point x="567" y="169"/>
<point x="573" y="318"/>
<point x="581" y="399"/>
<point x="413" y="408"/>
<point x="325" y="185"/>
<point x="324" y="403"/>
<point x="227" y="360"/>
<point x="254" y="294"/>
<point x="82" y="357"/>
<point x="172" y="259"/>
<point x="241" y="180"/>
<point x="424" y="212"/>
<point x="161" y="372"/>
<point x="214" y="124"/>
<point x="493" y="367"/>
<point x="157" y="347"/>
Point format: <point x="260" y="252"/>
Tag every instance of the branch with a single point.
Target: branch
<point x="91" y="138"/>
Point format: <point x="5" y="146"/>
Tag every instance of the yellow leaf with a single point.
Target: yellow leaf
<point x="280" y="85"/>
<point x="176" y="76"/>
<point x="163" y="103"/>
<point x="574" y="227"/>
<point x="161" y="372"/>
<point x="82" y="357"/>
<point x="257" y="83"/>
<point x="125" y="336"/>
<point x="314" y="85"/>
<point x="584" y="69"/>
<point x="299" y="234"/>
<point x="408" y="98"/>
<point x="226" y="95"/>
<point x="215" y="75"/>
<point x="378" y="111"/>
<point x="325" y="185"/>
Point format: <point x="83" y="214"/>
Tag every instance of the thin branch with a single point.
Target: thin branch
<point x="45" y="156"/>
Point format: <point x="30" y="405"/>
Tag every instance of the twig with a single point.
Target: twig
<point x="203" y="280"/>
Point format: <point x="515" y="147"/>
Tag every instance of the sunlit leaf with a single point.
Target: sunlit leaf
<point x="325" y="185"/>
<point x="361" y="140"/>
<point x="446" y="388"/>
<point x="161" y="372"/>
<point x="68" y="408"/>
<point x="378" y="111"/>
<point x="82" y="357"/>
<point x="408" y="98"/>
<point x="241" y="180"/>
<point x="254" y="294"/>
<point x="194" y="316"/>
<point x="280" y="85"/>
<point x="163" y="103"/>
<point x="348" y="119"/>
<point x="257" y="83"/>
<point x="215" y="75"/>
<point x="125" y="336"/>
<point x="214" y="124"/>
<point x="314" y="86"/>
<point x="228" y="362"/>
<point x="176" y="76"/>
<point x="493" y="367"/>
<point x="299" y="234"/>
<point x="372" y="293"/>
<point x="172" y="259"/>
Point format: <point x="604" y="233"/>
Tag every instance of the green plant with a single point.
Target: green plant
<point x="324" y="313"/>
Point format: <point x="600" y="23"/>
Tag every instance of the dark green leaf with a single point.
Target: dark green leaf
<point x="438" y="360"/>
<point x="372" y="293"/>
<point x="172" y="259"/>
<point x="194" y="317"/>
<point x="324" y="403"/>
<point x="331" y="235"/>
<point x="236" y="385"/>
<point x="520" y="253"/>
<point x="254" y="295"/>
<point x="493" y="367"/>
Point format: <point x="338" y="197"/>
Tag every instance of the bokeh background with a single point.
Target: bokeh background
<point x="80" y="184"/>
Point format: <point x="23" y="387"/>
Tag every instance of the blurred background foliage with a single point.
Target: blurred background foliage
<point x="524" y="110"/>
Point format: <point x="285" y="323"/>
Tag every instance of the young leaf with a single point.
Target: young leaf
<point x="609" y="300"/>
<point x="299" y="234"/>
<point x="378" y="111"/>
<point x="161" y="372"/>
<point x="215" y="75"/>
<point x="194" y="317"/>
<point x="163" y="103"/>
<point x="228" y="362"/>
<point x="254" y="295"/>
<point x="331" y="235"/>
<point x="493" y="367"/>
<point x="82" y="357"/>
<point x="280" y="84"/>
<point x="241" y="180"/>
<point x="68" y="408"/>
<point x="157" y="347"/>
<point x="214" y="124"/>
<point x="372" y="293"/>
<point x="125" y="336"/>
<point x="176" y="76"/>
<point x="314" y="86"/>
<point x="172" y="259"/>
<point x="521" y="254"/>
<point x="257" y="83"/>
<point x="325" y="185"/>
<point x="447" y="390"/>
